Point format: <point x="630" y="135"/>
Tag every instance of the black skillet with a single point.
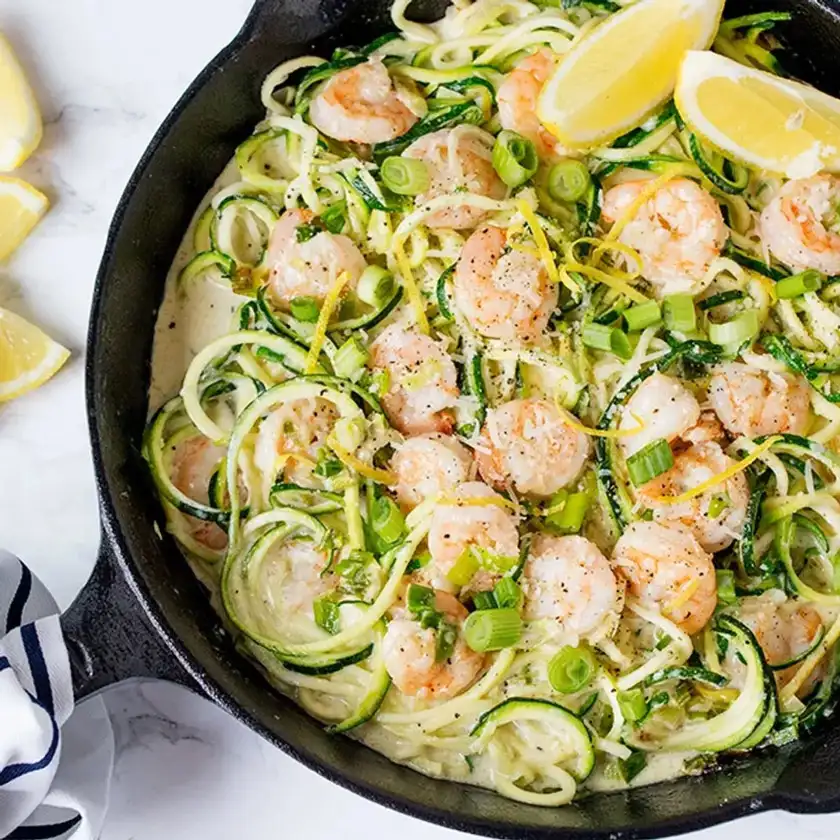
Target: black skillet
<point x="143" y="614"/>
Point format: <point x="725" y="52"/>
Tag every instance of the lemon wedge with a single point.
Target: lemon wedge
<point x="20" y="120"/>
<point x="28" y="358"/>
<point x="21" y="206"/>
<point x="759" y="119"/>
<point x="627" y="66"/>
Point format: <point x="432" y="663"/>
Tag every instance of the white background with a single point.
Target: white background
<point x="106" y="73"/>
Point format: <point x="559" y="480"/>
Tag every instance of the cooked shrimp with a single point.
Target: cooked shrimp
<point x="503" y="293"/>
<point x="784" y="629"/>
<point x="362" y="105"/>
<point x="459" y="160"/>
<point x="193" y="464"/>
<point x="754" y="402"/>
<point x="429" y="466"/>
<point x="677" y="232"/>
<point x="801" y="225"/>
<point x="664" y="407"/>
<point x="567" y="579"/>
<point x="665" y="567"/>
<point x="409" y="652"/>
<point x="309" y="268"/>
<point x="295" y="575"/>
<point x="700" y="463"/>
<point x="517" y="100"/>
<point x="290" y="437"/>
<point x="423" y="383"/>
<point x="473" y="517"/>
<point x="525" y="443"/>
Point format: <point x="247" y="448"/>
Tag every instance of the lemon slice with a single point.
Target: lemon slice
<point x="28" y="358"/>
<point x="764" y="121"/>
<point x="626" y="67"/>
<point x="20" y="120"/>
<point x="21" y="206"/>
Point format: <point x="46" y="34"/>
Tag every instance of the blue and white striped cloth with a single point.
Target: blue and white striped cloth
<point x="55" y="763"/>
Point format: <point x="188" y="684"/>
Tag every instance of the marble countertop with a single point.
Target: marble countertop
<point x="106" y="73"/>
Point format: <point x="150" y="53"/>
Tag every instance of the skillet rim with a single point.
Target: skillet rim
<point x="117" y="551"/>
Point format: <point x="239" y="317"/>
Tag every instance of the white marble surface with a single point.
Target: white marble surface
<point x="106" y="73"/>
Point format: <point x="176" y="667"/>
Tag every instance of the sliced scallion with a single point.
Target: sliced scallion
<point x="679" y="313"/>
<point x="508" y="594"/>
<point x="375" y="286"/>
<point x="726" y="586"/>
<point x="350" y="359"/>
<point x="489" y="630"/>
<point x="798" y="284"/>
<point x="571" y="669"/>
<point x="608" y="339"/>
<point x="463" y="569"/>
<point x="514" y="158"/>
<point x="633" y="705"/>
<point x="326" y="615"/>
<point x="569" y="519"/>
<point x="404" y="176"/>
<point x="305" y="309"/>
<point x="568" y="181"/>
<point x="484" y="601"/>
<point x="386" y="520"/>
<point x="650" y="461"/>
<point x="743" y="327"/>
<point x="642" y="316"/>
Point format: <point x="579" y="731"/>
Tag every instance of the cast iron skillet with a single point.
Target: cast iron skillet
<point x="143" y="614"/>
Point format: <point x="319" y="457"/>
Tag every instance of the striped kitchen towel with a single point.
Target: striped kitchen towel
<point x="55" y="763"/>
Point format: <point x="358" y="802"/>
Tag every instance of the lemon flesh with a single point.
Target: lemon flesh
<point x="21" y="207"/>
<point x="757" y="118"/>
<point x="28" y="357"/>
<point x="624" y="69"/>
<point x="20" y="121"/>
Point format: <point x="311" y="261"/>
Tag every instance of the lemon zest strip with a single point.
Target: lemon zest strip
<point x="381" y="476"/>
<point x="722" y="477"/>
<point x="608" y="280"/>
<point x="411" y="286"/>
<point x="542" y="246"/>
<point x="681" y="599"/>
<point x="327" y="309"/>
<point x="598" y="433"/>
<point x="649" y="191"/>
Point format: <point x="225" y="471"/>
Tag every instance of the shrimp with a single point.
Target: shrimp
<point x="677" y="232"/>
<point x="754" y="402"/>
<point x="667" y="568"/>
<point x="801" y="225"/>
<point x="289" y="439"/>
<point x="409" y="651"/>
<point x="506" y="295"/>
<point x="193" y="464"/>
<point x="423" y="382"/>
<point x="362" y="105"/>
<point x="457" y="160"/>
<point x="784" y="629"/>
<point x="664" y="407"/>
<point x="692" y="467"/>
<point x="429" y="466"/>
<point x="568" y="580"/>
<point x="309" y="268"/>
<point x="474" y="517"/>
<point x="295" y="576"/>
<point x="526" y="443"/>
<point x="517" y="100"/>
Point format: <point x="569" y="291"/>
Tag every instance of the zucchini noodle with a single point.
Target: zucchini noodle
<point x="486" y="459"/>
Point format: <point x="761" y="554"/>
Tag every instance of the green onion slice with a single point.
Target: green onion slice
<point x="350" y="359"/>
<point x="387" y="521"/>
<point x="568" y="181"/>
<point x="743" y="327"/>
<point x="798" y="284"/>
<point x="571" y="669"/>
<point x="650" y="461"/>
<point x="305" y="309"/>
<point x="642" y="316"/>
<point x="404" y="176"/>
<point x="489" y="630"/>
<point x="608" y="339"/>
<point x="514" y="158"/>
<point x="679" y="313"/>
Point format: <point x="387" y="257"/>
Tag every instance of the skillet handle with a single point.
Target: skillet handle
<point x="110" y="639"/>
